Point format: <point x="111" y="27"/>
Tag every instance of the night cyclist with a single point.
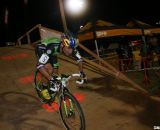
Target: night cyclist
<point x="47" y="52"/>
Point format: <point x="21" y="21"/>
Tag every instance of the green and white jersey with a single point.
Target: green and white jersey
<point x="52" y="45"/>
<point x="50" y="40"/>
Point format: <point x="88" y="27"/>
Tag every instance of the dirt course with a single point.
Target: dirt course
<point x="108" y="104"/>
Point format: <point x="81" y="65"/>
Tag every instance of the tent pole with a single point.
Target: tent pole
<point x="95" y="37"/>
<point x="146" y="78"/>
<point x="95" y="41"/>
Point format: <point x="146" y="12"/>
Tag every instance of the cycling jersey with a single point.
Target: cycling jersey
<point x="51" y="47"/>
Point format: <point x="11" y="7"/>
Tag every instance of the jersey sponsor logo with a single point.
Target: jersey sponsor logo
<point x="49" y="51"/>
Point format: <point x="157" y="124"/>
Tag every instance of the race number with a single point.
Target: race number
<point x="44" y="58"/>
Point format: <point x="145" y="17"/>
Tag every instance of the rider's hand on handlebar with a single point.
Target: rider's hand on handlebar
<point x="54" y="83"/>
<point x="53" y="80"/>
<point x="83" y="76"/>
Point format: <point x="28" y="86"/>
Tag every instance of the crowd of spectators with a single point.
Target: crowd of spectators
<point x="140" y="55"/>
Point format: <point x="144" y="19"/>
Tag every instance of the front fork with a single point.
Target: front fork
<point x="65" y="108"/>
<point x="68" y="106"/>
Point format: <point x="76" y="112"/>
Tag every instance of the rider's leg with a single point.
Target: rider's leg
<point x="46" y="71"/>
<point x="40" y="49"/>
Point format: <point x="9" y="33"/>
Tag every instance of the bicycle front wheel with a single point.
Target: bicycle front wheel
<point x="71" y="112"/>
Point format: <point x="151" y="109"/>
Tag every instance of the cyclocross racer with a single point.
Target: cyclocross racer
<point x="47" y="52"/>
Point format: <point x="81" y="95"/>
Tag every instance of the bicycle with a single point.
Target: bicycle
<point x="69" y="108"/>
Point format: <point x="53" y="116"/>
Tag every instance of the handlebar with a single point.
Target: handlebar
<point x="77" y="81"/>
<point x="65" y="79"/>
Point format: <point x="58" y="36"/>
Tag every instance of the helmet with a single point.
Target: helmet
<point x="68" y="40"/>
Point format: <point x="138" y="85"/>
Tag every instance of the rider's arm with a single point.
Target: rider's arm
<point x="79" y="60"/>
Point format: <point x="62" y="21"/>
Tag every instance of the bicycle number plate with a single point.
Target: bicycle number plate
<point x="44" y="58"/>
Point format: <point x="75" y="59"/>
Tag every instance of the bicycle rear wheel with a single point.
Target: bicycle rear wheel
<point x="71" y="112"/>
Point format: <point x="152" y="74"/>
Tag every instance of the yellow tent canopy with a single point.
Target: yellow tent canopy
<point x="105" y="29"/>
<point x="138" y="24"/>
<point x="148" y="29"/>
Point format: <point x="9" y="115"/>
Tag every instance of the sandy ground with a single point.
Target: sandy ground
<point x="108" y="104"/>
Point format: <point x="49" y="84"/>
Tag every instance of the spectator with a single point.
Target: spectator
<point x="145" y="53"/>
<point x="155" y="48"/>
<point x="125" y="55"/>
<point x="136" y="57"/>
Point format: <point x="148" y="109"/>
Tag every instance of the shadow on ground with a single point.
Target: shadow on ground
<point x="16" y="109"/>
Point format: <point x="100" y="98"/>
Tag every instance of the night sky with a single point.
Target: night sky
<point x="23" y="17"/>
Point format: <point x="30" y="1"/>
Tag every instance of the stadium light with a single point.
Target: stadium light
<point x="74" y="7"/>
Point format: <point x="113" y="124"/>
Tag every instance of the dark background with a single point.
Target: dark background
<point x="23" y="17"/>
